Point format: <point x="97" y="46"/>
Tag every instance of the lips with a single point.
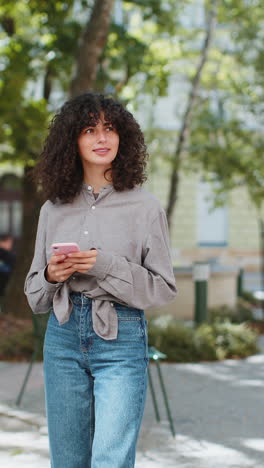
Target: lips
<point x="101" y="150"/>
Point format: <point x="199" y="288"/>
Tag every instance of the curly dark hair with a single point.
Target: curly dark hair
<point x="59" y="170"/>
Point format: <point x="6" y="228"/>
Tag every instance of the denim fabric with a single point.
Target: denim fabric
<point x="95" y="389"/>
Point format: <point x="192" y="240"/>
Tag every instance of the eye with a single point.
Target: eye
<point x="89" y="130"/>
<point x="110" y="128"/>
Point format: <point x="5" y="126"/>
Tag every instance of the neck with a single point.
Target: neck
<point x="96" y="178"/>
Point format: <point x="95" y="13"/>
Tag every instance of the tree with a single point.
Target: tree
<point x="234" y="152"/>
<point x="22" y="136"/>
<point x="42" y="38"/>
<point x="227" y="140"/>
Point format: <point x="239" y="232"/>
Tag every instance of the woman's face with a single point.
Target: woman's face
<point x="98" y="145"/>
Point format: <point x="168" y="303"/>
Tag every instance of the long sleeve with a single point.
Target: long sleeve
<point x="133" y="266"/>
<point x="38" y="290"/>
<point x="141" y="286"/>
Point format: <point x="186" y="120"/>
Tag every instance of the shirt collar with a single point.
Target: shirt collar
<point x="90" y="188"/>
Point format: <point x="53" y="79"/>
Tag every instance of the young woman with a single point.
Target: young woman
<point x="95" y="351"/>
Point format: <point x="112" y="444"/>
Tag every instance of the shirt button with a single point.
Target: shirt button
<point x="112" y="304"/>
<point x="93" y="207"/>
<point x="85" y="232"/>
<point x="89" y="187"/>
<point x="73" y="277"/>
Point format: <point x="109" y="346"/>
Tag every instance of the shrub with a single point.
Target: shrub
<point x="231" y="340"/>
<point x="249" y="297"/>
<point x="17" y="346"/>
<point x="175" y="340"/>
<point x="242" y="312"/>
<point x="205" y="343"/>
<point x="208" y="342"/>
<point x="17" y="337"/>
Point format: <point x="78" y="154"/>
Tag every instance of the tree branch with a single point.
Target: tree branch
<point x="183" y="133"/>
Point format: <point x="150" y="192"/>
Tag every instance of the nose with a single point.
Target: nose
<point x="101" y="135"/>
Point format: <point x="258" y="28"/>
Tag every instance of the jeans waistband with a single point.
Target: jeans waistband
<point x="80" y="298"/>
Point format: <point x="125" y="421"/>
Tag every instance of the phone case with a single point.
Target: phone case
<point x="65" y="248"/>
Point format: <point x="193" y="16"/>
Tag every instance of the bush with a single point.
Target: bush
<point x="175" y="340"/>
<point x="230" y="340"/>
<point x="241" y="313"/>
<point x="250" y="298"/>
<point x="17" y="337"/>
<point x="208" y="342"/>
<point x="18" y="346"/>
<point x="205" y="343"/>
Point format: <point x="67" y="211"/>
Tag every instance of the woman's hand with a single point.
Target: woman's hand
<point x="59" y="269"/>
<point x="82" y="261"/>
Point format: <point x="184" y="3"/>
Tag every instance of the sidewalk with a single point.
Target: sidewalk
<point x="217" y="409"/>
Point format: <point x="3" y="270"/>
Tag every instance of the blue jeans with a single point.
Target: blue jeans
<point x="95" y="389"/>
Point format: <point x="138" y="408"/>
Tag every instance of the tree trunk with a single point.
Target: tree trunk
<point x="92" y="43"/>
<point x="15" y="300"/>
<point x="184" y="129"/>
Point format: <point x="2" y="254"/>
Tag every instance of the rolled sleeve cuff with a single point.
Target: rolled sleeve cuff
<point x="102" y="266"/>
<point x="50" y="287"/>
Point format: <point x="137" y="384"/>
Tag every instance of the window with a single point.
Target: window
<point x="212" y="224"/>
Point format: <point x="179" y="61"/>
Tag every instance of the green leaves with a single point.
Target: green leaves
<point x="232" y="153"/>
<point x="140" y="52"/>
<point x="38" y="45"/>
<point x="23" y="135"/>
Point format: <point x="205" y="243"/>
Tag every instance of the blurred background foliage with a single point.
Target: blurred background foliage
<point x="153" y="42"/>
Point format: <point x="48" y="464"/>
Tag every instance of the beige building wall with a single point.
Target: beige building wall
<point x="184" y="219"/>
<point x="222" y="287"/>
<point x="243" y="236"/>
<point x="243" y="225"/>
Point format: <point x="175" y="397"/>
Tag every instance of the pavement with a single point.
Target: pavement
<point x="217" y="410"/>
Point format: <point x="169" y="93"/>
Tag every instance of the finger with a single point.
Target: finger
<point x="63" y="275"/>
<point x="54" y="259"/>
<point x="64" y="271"/>
<point x="81" y="260"/>
<point x="84" y="264"/>
<point x="84" y="254"/>
<point x="83" y="267"/>
<point x="62" y="266"/>
<point x="58" y="268"/>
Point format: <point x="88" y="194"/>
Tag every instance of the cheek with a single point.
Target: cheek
<point x="80" y="144"/>
<point x="83" y="145"/>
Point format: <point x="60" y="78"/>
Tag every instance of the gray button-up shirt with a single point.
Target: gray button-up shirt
<point x="133" y="266"/>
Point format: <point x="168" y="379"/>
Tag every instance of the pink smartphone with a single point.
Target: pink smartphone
<point x="63" y="248"/>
